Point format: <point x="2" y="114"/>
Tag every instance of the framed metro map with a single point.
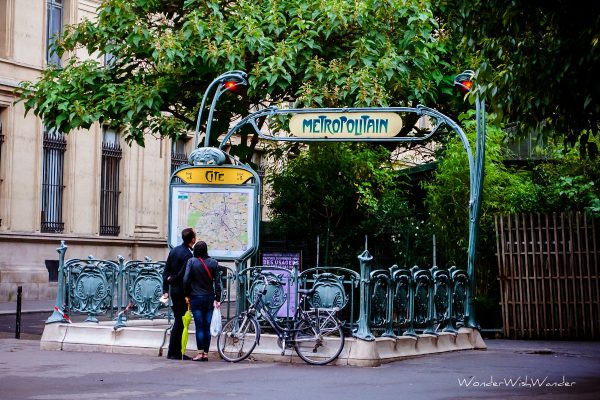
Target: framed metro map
<point x="223" y="217"/>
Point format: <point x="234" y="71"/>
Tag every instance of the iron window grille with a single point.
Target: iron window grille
<point x="109" y="183"/>
<point x="54" y="28"/>
<point x="54" y="147"/>
<point x="178" y="156"/>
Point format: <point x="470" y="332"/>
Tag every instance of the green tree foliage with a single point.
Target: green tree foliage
<point x="504" y="191"/>
<point x="537" y="61"/>
<point x="165" y="53"/>
<point x="569" y="182"/>
<point x="339" y="192"/>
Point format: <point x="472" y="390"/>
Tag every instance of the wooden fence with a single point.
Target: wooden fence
<point x="549" y="275"/>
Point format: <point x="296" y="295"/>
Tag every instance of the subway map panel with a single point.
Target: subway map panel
<point x="223" y="218"/>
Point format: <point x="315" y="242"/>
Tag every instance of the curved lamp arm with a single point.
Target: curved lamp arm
<point x="236" y="76"/>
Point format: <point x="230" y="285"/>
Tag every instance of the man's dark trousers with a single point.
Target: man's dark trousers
<point x="173" y="283"/>
<point x="179" y="308"/>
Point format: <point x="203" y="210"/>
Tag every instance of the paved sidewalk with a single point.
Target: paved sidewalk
<point x="27" y="306"/>
<point x="508" y="370"/>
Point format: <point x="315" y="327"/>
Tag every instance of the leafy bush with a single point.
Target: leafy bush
<point x="504" y="191"/>
<point x="570" y="182"/>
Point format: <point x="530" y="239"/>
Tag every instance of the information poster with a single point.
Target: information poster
<point x="286" y="261"/>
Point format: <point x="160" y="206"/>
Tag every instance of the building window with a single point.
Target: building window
<point x="109" y="183"/>
<point x="53" y="160"/>
<point x="178" y="157"/>
<point x="54" y="25"/>
<point x="178" y="154"/>
<point x="52" y="267"/>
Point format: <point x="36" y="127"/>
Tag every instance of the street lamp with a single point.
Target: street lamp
<point x="231" y="81"/>
<point x="464" y="82"/>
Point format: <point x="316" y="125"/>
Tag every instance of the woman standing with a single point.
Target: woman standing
<point x="202" y="289"/>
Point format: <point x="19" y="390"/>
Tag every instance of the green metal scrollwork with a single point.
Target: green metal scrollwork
<point x="442" y="295"/>
<point x="91" y="286"/>
<point x="379" y="299"/>
<point x="329" y="292"/>
<point x="275" y="296"/>
<point x="420" y="301"/>
<point x="142" y="281"/>
<point x="339" y="290"/>
<point x="402" y="282"/>
<point x="460" y="285"/>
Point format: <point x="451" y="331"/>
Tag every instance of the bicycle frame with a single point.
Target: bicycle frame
<point x="309" y="333"/>
<point x="283" y="333"/>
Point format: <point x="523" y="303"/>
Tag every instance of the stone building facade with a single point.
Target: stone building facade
<point x="88" y="188"/>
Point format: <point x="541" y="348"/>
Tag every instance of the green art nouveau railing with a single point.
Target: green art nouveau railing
<point x="373" y="302"/>
<point x="387" y="302"/>
<point x="117" y="290"/>
<point x="403" y="301"/>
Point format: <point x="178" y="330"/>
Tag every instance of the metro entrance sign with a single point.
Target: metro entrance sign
<point x="346" y="125"/>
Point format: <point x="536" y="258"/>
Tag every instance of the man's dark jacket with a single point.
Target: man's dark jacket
<point x="175" y="268"/>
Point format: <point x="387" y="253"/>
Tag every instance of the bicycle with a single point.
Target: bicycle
<point x="316" y="335"/>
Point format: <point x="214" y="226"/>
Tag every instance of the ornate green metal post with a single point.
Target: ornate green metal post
<point x="464" y="81"/>
<point x="58" y="314"/>
<point x="363" y="332"/>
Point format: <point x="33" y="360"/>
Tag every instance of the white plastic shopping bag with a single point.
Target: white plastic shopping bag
<point x="215" y="322"/>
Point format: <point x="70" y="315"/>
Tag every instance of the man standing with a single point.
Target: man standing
<point x="173" y="276"/>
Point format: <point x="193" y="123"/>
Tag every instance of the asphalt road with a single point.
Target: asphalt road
<point x="507" y="370"/>
<point x="32" y="325"/>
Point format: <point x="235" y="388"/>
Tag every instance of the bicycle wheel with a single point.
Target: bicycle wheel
<point x="238" y="338"/>
<point x="318" y="349"/>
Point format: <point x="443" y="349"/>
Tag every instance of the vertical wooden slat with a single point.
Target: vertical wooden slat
<point x="534" y="269"/>
<point x="594" y="263"/>
<point x="551" y="331"/>
<point x="570" y="283"/>
<point x="508" y="284"/>
<point x="526" y="303"/>
<point x="511" y="282"/>
<point x="543" y="277"/>
<point x="581" y="311"/>
<point x="556" y="280"/>
<point x="589" y="276"/>
<point x="518" y="275"/>
<point x="501" y="265"/>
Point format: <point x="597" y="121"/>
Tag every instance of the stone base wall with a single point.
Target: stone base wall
<point x="23" y="260"/>
<point x="152" y="338"/>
